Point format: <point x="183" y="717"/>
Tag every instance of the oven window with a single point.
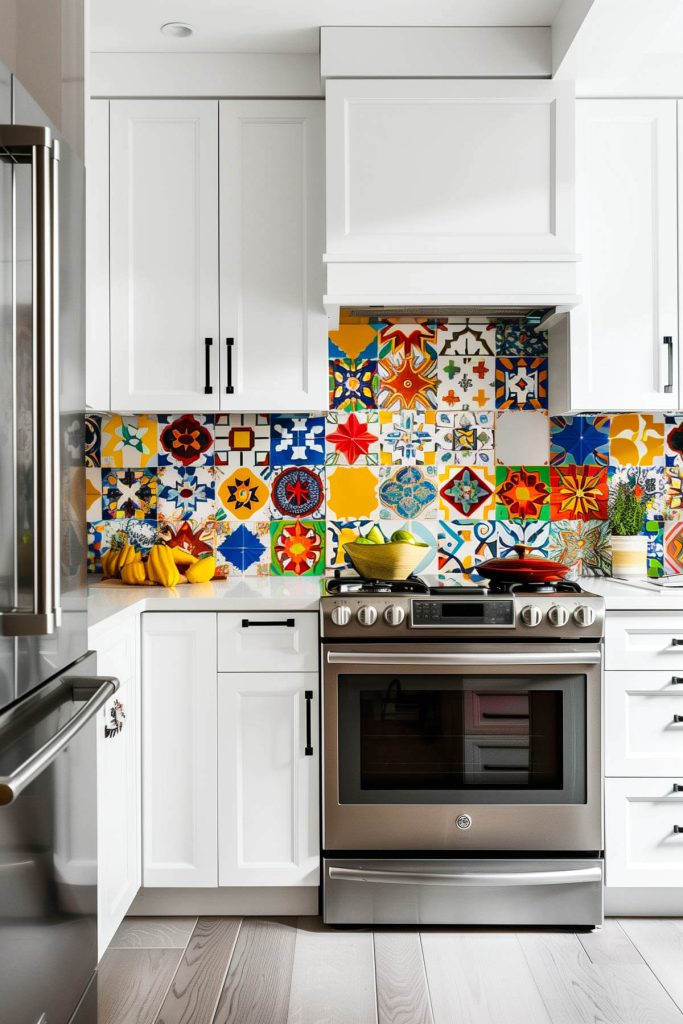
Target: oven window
<point x="411" y="738"/>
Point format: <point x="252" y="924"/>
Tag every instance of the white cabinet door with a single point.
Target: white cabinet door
<point x="179" y="749"/>
<point x="118" y="783"/>
<point x="97" y="255"/>
<point x="641" y="846"/>
<point x="645" y="640"/>
<point x="273" y="341"/>
<point x="268" y="784"/>
<point x="628" y="280"/>
<point x="164" y="254"/>
<point x="417" y="169"/>
<point x="642" y="736"/>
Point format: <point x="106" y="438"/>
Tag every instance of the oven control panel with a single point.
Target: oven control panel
<point x="463" y="614"/>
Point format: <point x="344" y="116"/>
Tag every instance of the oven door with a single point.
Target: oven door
<point x="462" y="747"/>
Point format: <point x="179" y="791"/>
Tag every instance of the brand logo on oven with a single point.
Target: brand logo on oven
<point x="463" y="821"/>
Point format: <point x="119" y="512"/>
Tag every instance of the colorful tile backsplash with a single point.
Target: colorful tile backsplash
<point x="440" y="428"/>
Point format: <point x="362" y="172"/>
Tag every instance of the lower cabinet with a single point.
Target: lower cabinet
<point x="642" y="845"/>
<point x="118" y="782"/>
<point x="268" y="778"/>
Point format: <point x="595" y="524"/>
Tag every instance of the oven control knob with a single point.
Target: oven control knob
<point x="558" y="616"/>
<point x="341" y="615"/>
<point x="584" y="616"/>
<point x="367" y="615"/>
<point x="531" y="615"/>
<point x="394" y="615"/>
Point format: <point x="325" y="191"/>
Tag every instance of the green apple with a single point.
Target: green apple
<point x="364" y="540"/>
<point x="403" y="537"/>
<point x="375" y="536"/>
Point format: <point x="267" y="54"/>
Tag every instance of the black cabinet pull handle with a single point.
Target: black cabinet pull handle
<point x="678" y="719"/>
<point x="677" y="680"/>
<point x="676" y="641"/>
<point x="678" y="788"/>
<point x="308" y="749"/>
<point x="208" y="342"/>
<point x="229" y="389"/>
<point x="270" y="622"/>
<point x="669" y="345"/>
<point x="678" y="830"/>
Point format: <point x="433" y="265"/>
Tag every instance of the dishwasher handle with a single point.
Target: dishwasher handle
<point x="96" y="691"/>
<point x="567" y="876"/>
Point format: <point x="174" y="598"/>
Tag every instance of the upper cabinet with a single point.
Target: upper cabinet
<point x="421" y="169"/>
<point x="619" y="349"/>
<point x="216" y="215"/>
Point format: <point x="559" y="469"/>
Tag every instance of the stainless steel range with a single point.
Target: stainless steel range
<point x="462" y="762"/>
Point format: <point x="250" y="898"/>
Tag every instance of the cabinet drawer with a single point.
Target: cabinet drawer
<point x="641" y="734"/>
<point x="268" y="641"/>
<point x="117" y="652"/>
<point x="648" y="640"/>
<point x="641" y="847"/>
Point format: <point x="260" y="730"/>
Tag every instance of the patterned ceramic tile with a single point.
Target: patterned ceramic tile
<point x="352" y="439"/>
<point x="297" y="547"/>
<point x="648" y="484"/>
<point x="297" y="440"/>
<point x="129" y="493"/>
<point x="340" y="532"/>
<point x="521" y="383"/>
<point x="128" y="442"/>
<point x="673" y="493"/>
<point x="533" y="533"/>
<point x="654" y="531"/>
<point x="407" y="438"/>
<point x="585" y="545"/>
<point x="141" y="533"/>
<point x="464" y="438"/>
<point x="462" y="546"/>
<point x="352" y="492"/>
<point x="353" y="384"/>
<point x="636" y="439"/>
<point x="673" y="549"/>
<point x="243" y="493"/>
<point x="578" y="492"/>
<point x="523" y="492"/>
<point x="467" y="339"/>
<point x="186" y="440"/>
<point x="407" y="379"/>
<point x="517" y="338"/>
<point x="467" y="492"/>
<point x="579" y="440"/>
<point x="93" y="435"/>
<point x="93" y="495"/>
<point x="242" y="549"/>
<point x="673" y="440"/>
<point x="522" y="437"/>
<point x="408" y="339"/>
<point x="242" y="439"/>
<point x="408" y="493"/>
<point x="353" y="341"/>
<point x="426" y="531"/>
<point x="198" y="536"/>
<point x="298" y="492"/>
<point x="186" y="492"/>
<point x="466" y="383"/>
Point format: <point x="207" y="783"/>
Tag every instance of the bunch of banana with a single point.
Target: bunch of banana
<point x="116" y="559"/>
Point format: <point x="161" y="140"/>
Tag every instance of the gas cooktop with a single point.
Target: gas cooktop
<point x="351" y="583"/>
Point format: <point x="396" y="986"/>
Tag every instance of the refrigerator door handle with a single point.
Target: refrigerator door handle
<point x="24" y="144"/>
<point x="96" y="691"/>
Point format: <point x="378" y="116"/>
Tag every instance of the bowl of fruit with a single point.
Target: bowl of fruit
<point x="376" y="558"/>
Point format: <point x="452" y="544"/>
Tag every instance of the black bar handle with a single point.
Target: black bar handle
<point x="308" y="749"/>
<point x="669" y="345"/>
<point x="678" y="830"/>
<point x="208" y="342"/>
<point x="229" y="389"/>
<point x="676" y="641"/>
<point x="270" y="622"/>
<point x="678" y="719"/>
<point x="678" y="788"/>
<point x="677" y="680"/>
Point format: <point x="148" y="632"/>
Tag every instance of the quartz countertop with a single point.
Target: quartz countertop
<point x="110" y="601"/>
<point x="638" y="594"/>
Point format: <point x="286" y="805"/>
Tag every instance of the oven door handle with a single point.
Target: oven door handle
<point x="569" y="876"/>
<point x="351" y="658"/>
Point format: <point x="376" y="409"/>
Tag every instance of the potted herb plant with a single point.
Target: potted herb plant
<point x="627" y="518"/>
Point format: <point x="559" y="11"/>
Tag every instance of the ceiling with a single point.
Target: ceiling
<point x="286" y="26"/>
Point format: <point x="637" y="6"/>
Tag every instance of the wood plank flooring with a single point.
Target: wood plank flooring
<point x="228" y="970"/>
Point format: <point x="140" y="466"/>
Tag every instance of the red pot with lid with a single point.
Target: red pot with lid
<point x="523" y="568"/>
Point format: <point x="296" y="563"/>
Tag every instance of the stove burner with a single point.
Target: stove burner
<point x="559" y="587"/>
<point x="357" y="585"/>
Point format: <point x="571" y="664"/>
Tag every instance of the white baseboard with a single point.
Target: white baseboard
<point x="282" y="901"/>
<point x="643" y="902"/>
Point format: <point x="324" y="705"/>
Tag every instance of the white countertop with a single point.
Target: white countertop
<point x="110" y="601"/>
<point x="639" y="594"/>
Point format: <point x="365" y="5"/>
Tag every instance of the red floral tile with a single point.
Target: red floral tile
<point x="578" y="492"/>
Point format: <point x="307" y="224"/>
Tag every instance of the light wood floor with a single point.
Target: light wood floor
<point x="225" y="970"/>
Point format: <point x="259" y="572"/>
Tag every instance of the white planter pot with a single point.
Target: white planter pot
<point x="629" y="556"/>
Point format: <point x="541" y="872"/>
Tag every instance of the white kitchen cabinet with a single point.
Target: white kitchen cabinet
<point x="179" y="790"/>
<point x="97" y="395"/>
<point x="268" y="825"/>
<point x="419" y="169"/>
<point x="262" y="641"/>
<point x="641" y="847"/>
<point x="164" y="254"/>
<point x="272" y="211"/>
<point x="118" y="782"/>
<point x="619" y="350"/>
<point x="649" y="640"/>
<point x="642" y="736"/>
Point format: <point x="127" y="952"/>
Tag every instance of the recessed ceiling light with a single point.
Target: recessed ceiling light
<point x="177" y="29"/>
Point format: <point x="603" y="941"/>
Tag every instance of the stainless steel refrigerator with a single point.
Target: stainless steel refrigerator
<point x="49" y="691"/>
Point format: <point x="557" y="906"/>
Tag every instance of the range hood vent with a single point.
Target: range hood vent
<point x="484" y="314"/>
